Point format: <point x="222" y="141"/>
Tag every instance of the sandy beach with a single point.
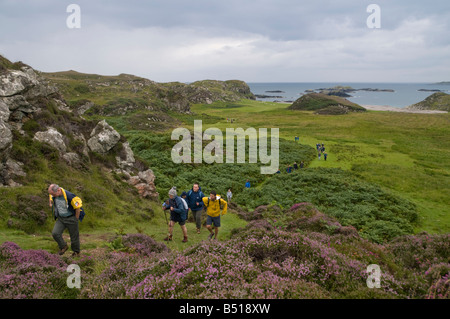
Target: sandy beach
<point x="397" y="109"/>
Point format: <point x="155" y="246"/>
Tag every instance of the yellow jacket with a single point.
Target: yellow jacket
<point x="213" y="209"/>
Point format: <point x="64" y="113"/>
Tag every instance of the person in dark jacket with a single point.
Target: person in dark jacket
<point x="178" y="214"/>
<point x="67" y="211"/>
<point x="195" y="203"/>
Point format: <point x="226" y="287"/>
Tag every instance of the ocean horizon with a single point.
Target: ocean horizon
<point x="404" y="94"/>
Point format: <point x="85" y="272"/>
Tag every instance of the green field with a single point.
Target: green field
<point x="405" y="153"/>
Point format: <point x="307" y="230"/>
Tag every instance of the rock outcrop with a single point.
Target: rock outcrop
<point x="53" y="138"/>
<point x="136" y="93"/>
<point x="325" y="104"/>
<point x="103" y="138"/>
<point x="26" y="96"/>
<point x="439" y="101"/>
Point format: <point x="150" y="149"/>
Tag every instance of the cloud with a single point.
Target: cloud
<point x="255" y="41"/>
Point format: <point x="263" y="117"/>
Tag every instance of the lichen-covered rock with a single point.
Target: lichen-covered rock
<point x="103" y="138"/>
<point x="72" y="159"/>
<point x="17" y="81"/>
<point x="126" y="162"/>
<point x="53" y="138"/>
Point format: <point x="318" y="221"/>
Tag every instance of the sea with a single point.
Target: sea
<point x="404" y="94"/>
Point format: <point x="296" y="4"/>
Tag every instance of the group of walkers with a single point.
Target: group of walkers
<point x="290" y="168"/>
<point x="67" y="210"/>
<point x="321" y="151"/>
<point x="196" y="202"/>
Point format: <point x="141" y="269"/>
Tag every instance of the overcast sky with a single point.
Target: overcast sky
<point x="250" y="40"/>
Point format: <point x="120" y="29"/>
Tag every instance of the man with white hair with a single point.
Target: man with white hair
<point x="178" y="214"/>
<point x="67" y="211"/>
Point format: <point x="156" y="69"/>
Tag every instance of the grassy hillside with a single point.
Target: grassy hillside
<point x="437" y="101"/>
<point x="405" y="153"/>
<point x="325" y="104"/>
<point x="308" y="234"/>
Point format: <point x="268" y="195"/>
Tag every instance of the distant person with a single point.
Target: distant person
<point x="319" y="155"/>
<point x="214" y="205"/>
<point x="229" y="195"/>
<point x="195" y="203"/>
<point x="183" y="195"/>
<point x="278" y="172"/>
<point x="178" y="214"/>
<point x="295" y="166"/>
<point x="289" y="169"/>
<point x="302" y="164"/>
<point x="247" y="184"/>
<point x="322" y="149"/>
<point x="325" y="155"/>
<point x="67" y="211"/>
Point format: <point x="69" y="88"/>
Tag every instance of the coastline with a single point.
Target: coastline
<point x="397" y="109"/>
<point x="387" y="108"/>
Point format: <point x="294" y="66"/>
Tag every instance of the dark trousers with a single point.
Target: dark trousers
<point x="71" y="223"/>
<point x="197" y="217"/>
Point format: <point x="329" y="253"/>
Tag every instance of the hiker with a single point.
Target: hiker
<point x="289" y="169"/>
<point x="325" y="155"/>
<point x="229" y="195"/>
<point x="183" y="195"/>
<point x="247" y="185"/>
<point x="214" y="204"/>
<point x="178" y="214"/>
<point x="195" y="203"/>
<point x="295" y="166"/>
<point x="323" y="149"/>
<point x="302" y="164"/>
<point x="278" y="172"/>
<point x="319" y="155"/>
<point x="67" y="211"/>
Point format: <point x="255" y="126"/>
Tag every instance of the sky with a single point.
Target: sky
<point x="249" y="40"/>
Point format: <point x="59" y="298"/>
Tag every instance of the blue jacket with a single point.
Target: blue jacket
<point x="193" y="198"/>
<point x="179" y="213"/>
<point x="247" y="184"/>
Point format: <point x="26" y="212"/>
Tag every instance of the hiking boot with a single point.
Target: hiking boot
<point x="211" y="236"/>
<point x="75" y="254"/>
<point x="198" y="230"/>
<point x="62" y="251"/>
<point x="185" y="240"/>
<point x="168" y="238"/>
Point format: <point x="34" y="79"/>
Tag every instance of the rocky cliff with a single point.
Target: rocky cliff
<point x="35" y="117"/>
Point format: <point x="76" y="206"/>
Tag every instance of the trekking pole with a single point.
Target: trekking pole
<point x="167" y="222"/>
<point x="165" y="204"/>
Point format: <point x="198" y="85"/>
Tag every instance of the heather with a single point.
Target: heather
<point x="296" y="252"/>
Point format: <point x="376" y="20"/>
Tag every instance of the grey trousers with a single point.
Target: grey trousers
<point x="71" y="223"/>
<point x="197" y="217"/>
